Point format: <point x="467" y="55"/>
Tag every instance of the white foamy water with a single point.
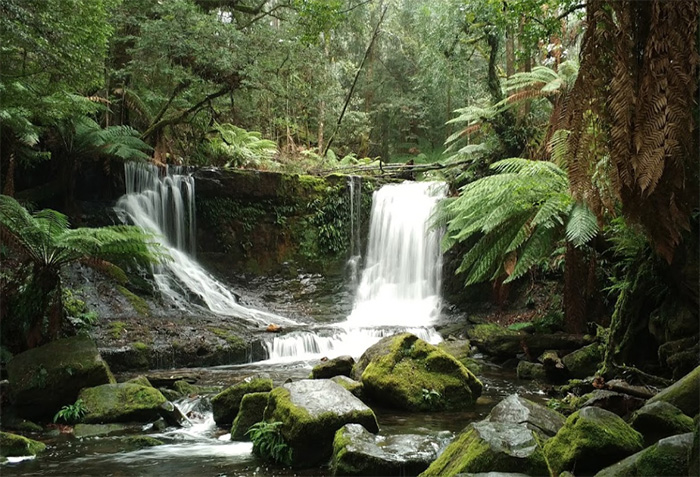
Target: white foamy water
<point x="399" y="289"/>
<point x="164" y="205"/>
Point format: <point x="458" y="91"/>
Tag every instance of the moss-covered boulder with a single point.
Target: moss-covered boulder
<point x="583" y="362"/>
<point x="45" y="379"/>
<point x="622" y="404"/>
<point x="495" y="339"/>
<point x="226" y="404"/>
<point x="660" y="419"/>
<point x="351" y="385"/>
<point x="141" y="379"/>
<point x="252" y="410"/>
<point x="491" y="447"/>
<point x="518" y="410"/>
<point x="683" y="394"/>
<point x="311" y="411"/>
<point x="100" y="430"/>
<point x="668" y="457"/>
<point x="340" y="366"/>
<point x="12" y="445"/>
<point x="141" y="442"/>
<point x="530" y="370"/>
<point x="123" y="402"/>
<point x="591" y="439"/>
<point x="416" y="376"/>
<point x="359" y="452"/>
<point x="694" y="453"/>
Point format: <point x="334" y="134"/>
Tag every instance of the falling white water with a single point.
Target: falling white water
<point x="355" y="186"/>
<point x="400" y="283"/>
<point x="164" y="205"/>
<point x="400" y="286"/>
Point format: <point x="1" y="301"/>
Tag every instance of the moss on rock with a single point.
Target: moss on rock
<point x="668" y="457"/>
<point x="121" y="402"/>
<point x="351" y="385"/>
<point x="226" y="404"/>
<point x="660" y="419"/>
<point x="140" y="442"/>
<point x="583" y="362"/>
<point x="490" y="447"/>
<point x="417" y="376"/>
<point x="12" y="445"/>
<point x="683" y="394"/>
<point x="311" y="412"/>
<point x="251" y="410"/>
<point x="591" y="439"/>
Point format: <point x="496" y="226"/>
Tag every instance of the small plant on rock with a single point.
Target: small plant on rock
<point x="431" y="397"/>
<point x="71" y="413"/>
<point x="269" y="443"/>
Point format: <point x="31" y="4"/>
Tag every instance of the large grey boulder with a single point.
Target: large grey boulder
<point x="668" y="457"/>
<point x="518" y="410"/>
<point x="311" y="411"/>
<point x="227" y="402"/>
<point x="591" y="439"/>
<point x="45" y="379"/>
<point x="123" y="402"/>
<point x="413" y="375"/>
<point x="491" y="446"/>
<point x="359" y="452"/>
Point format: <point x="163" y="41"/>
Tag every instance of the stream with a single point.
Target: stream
<point x="398" y="290"/>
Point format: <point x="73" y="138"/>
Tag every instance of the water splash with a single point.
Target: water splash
<point x="164" y="204"/>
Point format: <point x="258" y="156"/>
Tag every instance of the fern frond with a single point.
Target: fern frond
<point x="582" y="225"/>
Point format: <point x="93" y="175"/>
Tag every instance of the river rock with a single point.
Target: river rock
<point x="100" y="430"/>
<point x="583" y="362"/>
<point x="416" y="376"/>
<point x="660" y="419"/>
<point x="45" y="379"/>
<point x="350" y="384"/>
<point x="251" y="410"/>
<point x="359" y="452"/>
<point x="528" y="370"/>
<point x="491" y="446"/>
<point x="517" y="410"/>
<point x="12" y="445"/>
<point x="340" y="366"/>
<point x="620" y="403"/>
<point x="227" y="402"/>
<point x="683" y="394"/>
<point x="668" y="457"/>
<point x="311" y="411"/>
<point x="591" y="439"/>
<point x="123" y="402"/>
<point x="694" y="453"/>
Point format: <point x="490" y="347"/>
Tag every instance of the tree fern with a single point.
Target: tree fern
<point x="231" y="146"/>
<point x="522" y="210"/>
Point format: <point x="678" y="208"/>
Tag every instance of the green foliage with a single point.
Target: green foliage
<point x="231" y="146"/>
<point x="268" y="442"/>
<point x="84" y="138"/>
<point x="432" y="398"/>
<point x="138" y="303"/>
<point x="516" y="215"/>
<point x="117" y="328"/>
<point x="72" y="413"/>
<point x="77" y="310"/>
<point x="332" y="218"/>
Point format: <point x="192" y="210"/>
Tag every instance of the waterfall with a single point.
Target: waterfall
<point x="399" y="290"/>
<point x="400" y="284"/>
<point x="355" y="192"/>
<point x="164" y="205"/>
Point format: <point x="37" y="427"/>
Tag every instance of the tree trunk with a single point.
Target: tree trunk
<point x="46" y="325"/>
<point x="575" y="290"/>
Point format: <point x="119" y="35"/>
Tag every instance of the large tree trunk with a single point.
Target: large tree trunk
<point x="575" y="290"/>
<point x="47" y="323"/>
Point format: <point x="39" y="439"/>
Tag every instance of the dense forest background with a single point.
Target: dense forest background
<point x="571" y="127"/>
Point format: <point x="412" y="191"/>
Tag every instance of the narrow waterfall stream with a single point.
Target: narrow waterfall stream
<point x="164" y="205"/>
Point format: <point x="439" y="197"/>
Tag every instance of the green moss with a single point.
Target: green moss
<point x="683" y="394"/>
<point x="117" y="328"/>
<point x="121" y="403"/>
<point x="660" y="419"/>
<point x="666" y="460"/>
<point x="251" y="410"/>
<point x="183" y="388"/>
<point x="12" y="445"/>
<point x="485" y="332"/>
<point x="141" y="381"/>
<point x="139" y="442"/>
<point x="138" y="303"/>
<point x="591" y="439"/>
<point x="584" y="361"/>
<point x="226" y="403"/>
<point x="412" y="365"/>
<point x="232" y="339"/>
<point x="139" y="346"/>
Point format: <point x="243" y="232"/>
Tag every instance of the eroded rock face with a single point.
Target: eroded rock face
<point x="591" y="439"/>
<point x="227" y="402"/>
<point x="46" y="378"/>
<point x="407" y="373"/>
<point x="491" y="446"/>
<point x="123" y="402"/>
<point x="517" y="410"/>
<point x="668" y="457"/>
<point x="311" y="411"/>
<point x="359" y="452"/>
